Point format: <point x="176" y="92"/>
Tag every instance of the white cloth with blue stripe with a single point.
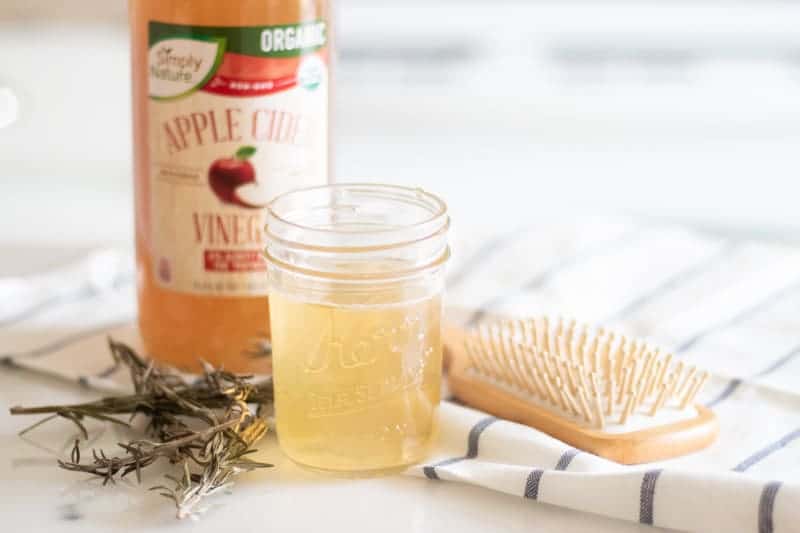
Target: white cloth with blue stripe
<point x="730" y="306"/>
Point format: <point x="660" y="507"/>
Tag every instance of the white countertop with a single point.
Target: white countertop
<point x="36" y="495"/>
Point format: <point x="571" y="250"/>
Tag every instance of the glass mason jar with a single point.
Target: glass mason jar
<point x="356" y="277"/>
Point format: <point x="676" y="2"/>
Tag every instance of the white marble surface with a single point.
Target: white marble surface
<point x="37" y="496"/>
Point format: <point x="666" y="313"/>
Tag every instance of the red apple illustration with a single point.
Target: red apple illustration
<point x="228" y="174"/>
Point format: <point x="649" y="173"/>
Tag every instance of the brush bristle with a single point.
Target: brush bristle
<point x="589" y="374"/>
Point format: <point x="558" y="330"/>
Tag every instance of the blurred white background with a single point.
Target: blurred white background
<point x="513" y="110"/>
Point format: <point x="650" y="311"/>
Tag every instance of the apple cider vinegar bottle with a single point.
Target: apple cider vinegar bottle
<point x="230" y="109"/>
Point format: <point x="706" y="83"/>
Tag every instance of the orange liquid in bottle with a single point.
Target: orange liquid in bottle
<point x="180" y="326"/>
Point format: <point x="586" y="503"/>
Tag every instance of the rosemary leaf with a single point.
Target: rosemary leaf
<point x="208" y="452"/>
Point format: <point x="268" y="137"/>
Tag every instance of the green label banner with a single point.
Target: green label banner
<point x="288" y="40"/>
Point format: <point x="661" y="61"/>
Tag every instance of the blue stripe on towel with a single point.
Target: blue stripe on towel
<point x="736" y="382"/>
<point x="766" y="506"/>
<point x="472" y="447"/>
<point x="66" y="341"/>
<point x="742" y="315"/>
<point x="566" y="458"/>
<point x="647" y="496"/>
<point x="726" y="392"/>
<point x="672" y="282"/>
<point x="543" y="277"/>
<point x="765" y="452"/>
<point x="483" y="254"/>
<point x="532" y="484"/>
<point x="535" y="477"/>
<point x="780" y="362"/>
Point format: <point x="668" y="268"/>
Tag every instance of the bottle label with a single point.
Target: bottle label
<point x="237" y="115"/>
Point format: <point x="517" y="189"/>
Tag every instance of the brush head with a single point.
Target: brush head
<point x="594" y="377"/>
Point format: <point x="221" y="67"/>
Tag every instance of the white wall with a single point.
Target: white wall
<point x="512" y="110"/>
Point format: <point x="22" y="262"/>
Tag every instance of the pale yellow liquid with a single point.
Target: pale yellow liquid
<point x="356" y="387"/>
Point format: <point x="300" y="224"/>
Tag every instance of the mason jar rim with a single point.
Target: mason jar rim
<point x="439" y="261"/>
<point x="439" y="212"/>
<point x="315" y="231"/>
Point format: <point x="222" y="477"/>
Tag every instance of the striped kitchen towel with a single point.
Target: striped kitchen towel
<point x="731" y="306"/>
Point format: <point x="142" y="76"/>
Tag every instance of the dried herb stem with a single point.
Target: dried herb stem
<point x="209" y="456"/>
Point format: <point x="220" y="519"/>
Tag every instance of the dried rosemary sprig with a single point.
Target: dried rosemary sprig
<point x="206" y="427"/>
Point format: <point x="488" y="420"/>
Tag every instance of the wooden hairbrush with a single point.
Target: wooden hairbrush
<point x="596" y="390"/>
